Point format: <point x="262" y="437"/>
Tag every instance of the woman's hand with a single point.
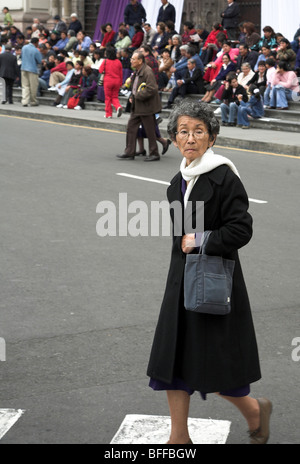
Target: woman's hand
<point x="188" y="243"/>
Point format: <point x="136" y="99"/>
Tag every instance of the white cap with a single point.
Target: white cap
<point x="73" y="15"/>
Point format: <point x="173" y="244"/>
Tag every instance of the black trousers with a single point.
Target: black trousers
<point x="9" y="89"/>
<point x="182" y="91"/>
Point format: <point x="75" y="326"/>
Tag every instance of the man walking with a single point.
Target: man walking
<point x="9" y="72"/>
<point x="31" y="58"/>
<point x="145" y="103"/>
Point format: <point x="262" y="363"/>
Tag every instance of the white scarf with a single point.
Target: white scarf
<point x="206" y="163"/>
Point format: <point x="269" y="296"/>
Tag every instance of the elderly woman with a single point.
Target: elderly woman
<point x="246" y="75"/>
<point x="201" y="352"/>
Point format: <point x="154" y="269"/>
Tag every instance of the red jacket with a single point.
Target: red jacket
<point x="137" y="39"/>
<point x="113" y="72"/>
<point x="108" y="37"/>
<point x="212" y="37"/>
<point x="62" y="68"/>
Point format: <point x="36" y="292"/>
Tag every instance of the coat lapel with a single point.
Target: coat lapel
<point x="202" y="190"/>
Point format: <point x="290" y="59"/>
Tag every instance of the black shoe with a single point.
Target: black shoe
<point x="224" y="123"/>
<point x="144" y="153"/>
<point x="125" y="156"/>
<point x="152" y="158"/>
<point x="167" y="107"/>
<point x="3" y="103"/>
<point x="166" y="148"/>
<point x="232" y="124"/>
<point x="159" y="120"/>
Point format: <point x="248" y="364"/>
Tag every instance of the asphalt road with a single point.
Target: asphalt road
<point x="78" y="312"/>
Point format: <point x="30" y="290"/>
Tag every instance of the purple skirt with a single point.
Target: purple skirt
<point x="179" y="384"/>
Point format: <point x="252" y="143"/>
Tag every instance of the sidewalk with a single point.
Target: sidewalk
<point x="272" y="141"/>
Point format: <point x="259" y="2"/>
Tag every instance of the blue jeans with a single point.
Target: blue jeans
<point x="42" y="86"/>
<point x="267" y="95"/>
<point x="229" y="113"/>
<point x="280" y="96"/>
<point x="242" y="116"/>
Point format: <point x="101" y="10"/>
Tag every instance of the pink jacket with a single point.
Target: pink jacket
<point x="289" y="80"/>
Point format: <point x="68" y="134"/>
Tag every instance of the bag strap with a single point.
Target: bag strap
<point x="204" y="239"/>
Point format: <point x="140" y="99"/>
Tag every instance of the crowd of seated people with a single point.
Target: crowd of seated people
<point x="195" y="61"/>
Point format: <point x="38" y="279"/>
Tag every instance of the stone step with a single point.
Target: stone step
<point x="294" y="107"/>
<point x="287" y="121"/>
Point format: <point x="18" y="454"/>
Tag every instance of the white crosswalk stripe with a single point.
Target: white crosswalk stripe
<point x="146" y="429"/>
<point x="8" y="417"/>
<point x="148" y="179"/>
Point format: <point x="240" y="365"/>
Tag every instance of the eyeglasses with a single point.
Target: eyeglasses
<point x="184" y="135"/>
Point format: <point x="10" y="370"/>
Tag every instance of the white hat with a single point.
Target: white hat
<point x="74" y="15"/>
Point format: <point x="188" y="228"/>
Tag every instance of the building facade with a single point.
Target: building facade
<point x="207" y="12"/>
<point x="204" y="12"/>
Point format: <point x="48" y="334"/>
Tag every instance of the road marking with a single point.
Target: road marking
<point x="144" y="429"/>
<point x="8" y="417"/>
<point x="148" y="179"/>
<point x="77" y="126"/>
<point x="62" y="124"/>
<point x="258" y="152"/>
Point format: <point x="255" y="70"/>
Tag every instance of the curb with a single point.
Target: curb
<point x="230" y="142"/>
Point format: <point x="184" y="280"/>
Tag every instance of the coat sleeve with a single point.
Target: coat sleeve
<point x="235" y="230"/>
<point x="149" y="90"/>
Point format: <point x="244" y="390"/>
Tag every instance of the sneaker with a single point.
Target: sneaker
<point x="77" y="107"/>
<point x="245" y="127"/>
<point x="107" y="117"/>
<point x="119" y="111"/>
<point x="52" y="89"/>
<point x="65" y="107"/>
<point x="59" y="106"/>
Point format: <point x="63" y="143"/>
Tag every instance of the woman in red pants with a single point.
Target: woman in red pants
<point x="113" y="77"/>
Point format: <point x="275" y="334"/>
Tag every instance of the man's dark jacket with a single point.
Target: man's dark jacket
<point x="232" y="97"/>
<point x="250" y="58"/>
<point x="167" y="14"/>
<point x="134" y="14"/>
<point x="231" y="16"/>
<point x="196" y="79"/>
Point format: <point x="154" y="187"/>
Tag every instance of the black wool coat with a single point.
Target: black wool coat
<point x="209" y="353"/>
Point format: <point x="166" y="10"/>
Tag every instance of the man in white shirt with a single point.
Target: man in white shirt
<point x="149" y="34"/>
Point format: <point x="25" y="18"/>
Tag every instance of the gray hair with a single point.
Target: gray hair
<point x="246" y="65"/>
<point x="184" y="47"/>
<point x="197" y="110"/>
<point x="178" y="37"/>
